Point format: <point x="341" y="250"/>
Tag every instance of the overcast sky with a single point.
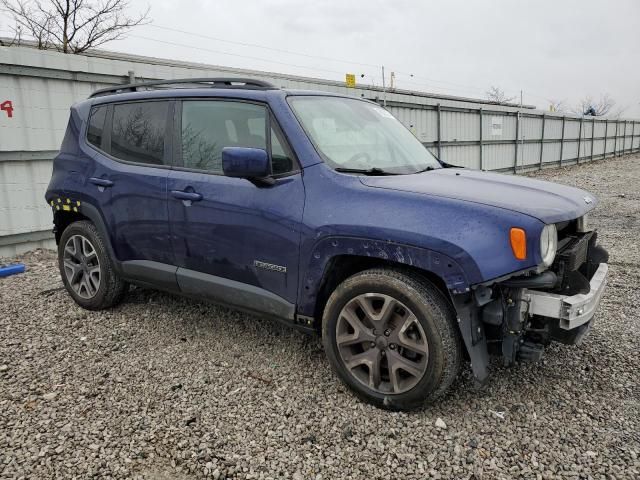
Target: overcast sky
<point x="560" y="49"/>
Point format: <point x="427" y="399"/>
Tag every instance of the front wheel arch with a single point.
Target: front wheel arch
<point x="341" y="267"/>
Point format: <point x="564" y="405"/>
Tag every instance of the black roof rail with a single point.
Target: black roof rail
<point x="241" y="83"/>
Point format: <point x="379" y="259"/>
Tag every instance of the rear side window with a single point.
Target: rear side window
<point x="209" y="126"/>
<point x="95" y="129"/>
<point x="138" y="131"/>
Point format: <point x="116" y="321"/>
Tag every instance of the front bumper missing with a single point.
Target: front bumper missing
<point x="571" y="311"/>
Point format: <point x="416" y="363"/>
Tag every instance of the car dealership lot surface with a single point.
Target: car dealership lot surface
<point x="164" y="387"/>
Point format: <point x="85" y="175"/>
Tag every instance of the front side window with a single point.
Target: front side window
<point x="95" y="128"/>
<point x="358" y="135"/>
<point x="138" y="131"/>
<point x="208" y="126"/>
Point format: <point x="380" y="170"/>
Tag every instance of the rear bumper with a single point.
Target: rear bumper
<point x="570" y="311"/>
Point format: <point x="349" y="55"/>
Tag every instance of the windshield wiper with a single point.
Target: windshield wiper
<point x="428" y="169"/>
<point x="365" y="171"/>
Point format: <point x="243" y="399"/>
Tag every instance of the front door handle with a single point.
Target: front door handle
<point x="186" y="196"/>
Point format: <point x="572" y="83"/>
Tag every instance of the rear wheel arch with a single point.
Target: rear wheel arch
<point x="63" y="219"/>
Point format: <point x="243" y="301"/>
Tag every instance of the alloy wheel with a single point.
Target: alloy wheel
<point x="381" y="343"/>
<point x="81" y="266"/>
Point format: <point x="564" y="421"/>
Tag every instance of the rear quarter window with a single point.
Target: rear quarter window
<point x="95" y="130"/>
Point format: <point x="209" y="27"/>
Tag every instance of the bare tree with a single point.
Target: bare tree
<point x="17" y="35"/>
<point x="496" y="94"/>
<point x="595" y="108"/>
<point x="35" y="22"/>
<point x="558" y="106"/>
<point x="73" y="26"/>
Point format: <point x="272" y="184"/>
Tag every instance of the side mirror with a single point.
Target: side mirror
<point x="241" y="162"/>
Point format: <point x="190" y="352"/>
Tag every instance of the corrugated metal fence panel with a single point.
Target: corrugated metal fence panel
<point x="499" y="156"/>
<point x="498" y="126"/>
<point x="553" y="128"/>
<point x="22" y="205"/>
<point x="570" y="151"/>
<point x="571" y="129"/>
<point x="529" y="154"/>
<point x="460" y="126"/>
<point x="629" y="139"/>
<point x="598" y="147"/>
<point x="531" y="128"/>
<point x="41" y="111"/>
<point x="467" y="156"/>
<point x="422" y="122"/>
<point x="43" y="85"/>
<point x="551" y="153"/>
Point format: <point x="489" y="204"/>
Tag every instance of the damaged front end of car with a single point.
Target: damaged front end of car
<point x="517" y="317"/>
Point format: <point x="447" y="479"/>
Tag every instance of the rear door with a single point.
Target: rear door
<point x="236" y="240"/>
<point x="131" y="161"/>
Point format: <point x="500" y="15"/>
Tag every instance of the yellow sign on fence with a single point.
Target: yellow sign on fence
<point x="350" y="80"/>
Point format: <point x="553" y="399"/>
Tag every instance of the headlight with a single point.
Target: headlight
<point x="548" y="244"/>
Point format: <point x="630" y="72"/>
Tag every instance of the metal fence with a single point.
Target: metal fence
<point x="41" y="86"/>
<point x="487" y="139"/>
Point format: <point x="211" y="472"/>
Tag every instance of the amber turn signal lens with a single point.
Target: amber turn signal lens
<point x="519" y="243"/>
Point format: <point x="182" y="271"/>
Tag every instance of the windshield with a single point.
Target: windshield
<point x="357" y="135"/>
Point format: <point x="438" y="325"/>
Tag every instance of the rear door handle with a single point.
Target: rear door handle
<point x="190" y="196"/>
<point x="101" y="182"/>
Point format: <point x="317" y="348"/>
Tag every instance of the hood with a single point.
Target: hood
<point x="546" y="201"/>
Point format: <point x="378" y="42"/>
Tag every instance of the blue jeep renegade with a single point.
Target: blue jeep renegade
<point x="325" y="212"/>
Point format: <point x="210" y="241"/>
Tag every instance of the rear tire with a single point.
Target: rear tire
<point x="392" y="337"/>
<point x="87" y="271"/>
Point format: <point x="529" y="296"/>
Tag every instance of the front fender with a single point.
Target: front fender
<point x="449" y="270"/>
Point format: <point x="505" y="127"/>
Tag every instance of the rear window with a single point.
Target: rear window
<point x="138" y="131"/>
<point x="96" y="125"/>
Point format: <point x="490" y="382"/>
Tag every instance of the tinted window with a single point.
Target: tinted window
<point x="138" y="132"/>
<point x="209" y="126"/>
<point x="96" y="125"/>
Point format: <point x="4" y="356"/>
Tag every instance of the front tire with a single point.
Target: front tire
<point x="87" y="271"/>
<point x="391" y="336"/>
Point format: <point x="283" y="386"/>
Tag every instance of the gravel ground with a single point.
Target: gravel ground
<point x="163" y="387"/>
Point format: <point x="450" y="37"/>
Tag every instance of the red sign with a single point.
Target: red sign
<point x="7" y="106"/>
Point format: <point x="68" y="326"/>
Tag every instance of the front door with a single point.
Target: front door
<point x="234" y="239"/>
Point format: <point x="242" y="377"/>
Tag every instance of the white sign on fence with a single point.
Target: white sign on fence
<point x="496" y="125"/>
